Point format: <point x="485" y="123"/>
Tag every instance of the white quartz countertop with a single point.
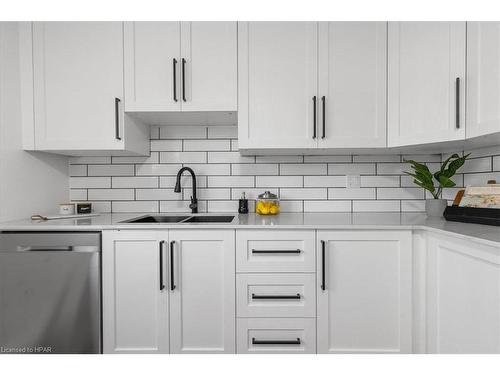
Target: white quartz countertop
<point x="482" y="233"/>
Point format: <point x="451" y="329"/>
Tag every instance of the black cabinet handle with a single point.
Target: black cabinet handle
<point x="275" y="342"/>
<point x="117" y="119"/>
<point x="298" y="251"/>
<point x="175" y="79"/>
<point x="457" y="104"/>
<point x="295" y="296"/>
<point x="183" y="79"/>
<point x="162" y="285"/>
<point x="172" y="282"/>
<point x="314" y="116"/>
<point x="323" y="101"/>
<point x="323" y="254"/>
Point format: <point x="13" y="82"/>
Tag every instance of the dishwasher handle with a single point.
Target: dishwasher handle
<point x="74" y="249"/>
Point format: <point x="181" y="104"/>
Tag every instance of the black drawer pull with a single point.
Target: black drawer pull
<point x="117" y="119"/>
<point x="275" y="342"/>
<point x="298" y="251"/>
<point x="174" y="62"/>
<point x="172" y="279"/>
<point x="323" y="266"/>
<point x="314" y="117"/>
<point x="162" y="284"/>
<point x="294" y="296"/>
<point x="457" y="103"/>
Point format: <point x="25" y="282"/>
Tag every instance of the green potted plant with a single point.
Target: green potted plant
<point x="423" y="177"/>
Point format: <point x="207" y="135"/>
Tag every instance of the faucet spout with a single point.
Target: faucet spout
<point x="194" y="201"/>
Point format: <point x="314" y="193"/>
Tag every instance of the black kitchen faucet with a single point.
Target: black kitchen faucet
<point x="194" y="202"/>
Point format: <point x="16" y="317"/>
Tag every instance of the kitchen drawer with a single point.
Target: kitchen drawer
<point x="276" y="295"/>
<point x="276" y="335"/>
<point x="275" y="251"/>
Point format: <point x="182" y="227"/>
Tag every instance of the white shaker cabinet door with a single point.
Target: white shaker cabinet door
<point x="352" y="84"/>
<point x="78" y="85"/>
<point x="202" y="291"/>
<point x="277" y="85"/>
<point x="463" y="296"/>
<point x="208" y="66"/>
<point x="135" y="297"/>
<point x="426" y="82"/>
<point x="483" y="78"/>
<point x="364" y="291"/>
<point x="152" y="66"/>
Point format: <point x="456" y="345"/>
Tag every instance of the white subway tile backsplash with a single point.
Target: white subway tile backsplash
<point x="352" y="169"/>
<point x="89" y="182"/>
<point x="222" y="132"/>
<point x="379" y="181"/>
<point x="134" y="182"/>
<point x="303" y="193"/>
<point x="157" y="169"/>
<point x="231" y="181"/>
<point x="135" y="206"/>
<point x="183" y="157"/>
<point x="311" y="183"/>
<point x="376" y="206"/>
<point x="324" y="181"/>
<point x="207" y="145"/>
<point x="342" y="193"/>
<point x="327" y="206"/>
<point x="229" y="157"/>
<point x="111" y="170"/>
<point x="111" y="194"/>
<point x="166" y="145"/>
<point x="400" y="193"/>
<point x="279" y="181"/>
<point x="183" y="132"/>
<point x="496" y="163"/>
<point x="77" y="170"/>
<point x="156" y="194"/>
<point x="303" y="169"/>
<point x="254" y="169"/>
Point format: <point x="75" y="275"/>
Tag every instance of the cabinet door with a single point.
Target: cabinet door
<point x="352" y="84"/>
<point x="152" y="66"/>
<point x="202" y="291"/>
<point x="365" y="305"/>
<point x="463" y="296"/>
<point x="135" y="297"/>
<point x="483" y="78"/>
<point x="78" y="77"/>
<point x="426" y="103"/>
<point x="277" y="81"/>
<point x="209" y="66"/>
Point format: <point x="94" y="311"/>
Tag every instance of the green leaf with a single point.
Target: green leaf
<point x="446" y="182"/>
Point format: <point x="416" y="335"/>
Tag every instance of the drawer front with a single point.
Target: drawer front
<point x="275" y="295"/>
<point x="275" y="251"/>
<point x="276" y="335"/>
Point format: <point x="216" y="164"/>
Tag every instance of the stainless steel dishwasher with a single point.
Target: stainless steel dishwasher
<point x="50" y="292"/>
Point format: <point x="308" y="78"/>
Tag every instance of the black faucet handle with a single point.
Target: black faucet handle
<point x="194" y="205"/>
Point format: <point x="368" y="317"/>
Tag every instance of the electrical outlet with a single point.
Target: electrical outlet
<point x="353" y="181"/>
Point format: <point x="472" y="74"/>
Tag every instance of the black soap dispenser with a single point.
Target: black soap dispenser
<point x="243" y="205"/>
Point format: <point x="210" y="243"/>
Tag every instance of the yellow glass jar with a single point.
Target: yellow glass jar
<point x="267" y="203"/>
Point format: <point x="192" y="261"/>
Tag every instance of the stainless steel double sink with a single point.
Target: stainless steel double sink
<point x="157" y="219"/>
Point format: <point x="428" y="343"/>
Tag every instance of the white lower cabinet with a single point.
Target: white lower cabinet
<point x="463" y="296"/>
<point x="364" y="291"/>
<point x="168" y="291"/>
<point x="277" y="335"/>
<point x="134" y="296"/>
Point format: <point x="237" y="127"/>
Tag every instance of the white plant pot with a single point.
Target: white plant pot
<point x="435" y="207"/>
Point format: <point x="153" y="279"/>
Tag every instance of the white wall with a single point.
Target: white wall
<point x="30" y="182"/>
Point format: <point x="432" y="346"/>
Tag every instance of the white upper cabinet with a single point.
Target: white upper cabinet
<point x="426" y="82"/>
<point x="209" y="68"/>
<point x="483" y="78"/>
<point x="277" y="84"/>
<point x="352" y="84"/>
<point x="78" y="89"/>
<point x="180" y="66"/>
<point x="152" y="66"/>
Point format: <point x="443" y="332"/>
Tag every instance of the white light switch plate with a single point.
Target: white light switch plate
<point x="353" y="181"/>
